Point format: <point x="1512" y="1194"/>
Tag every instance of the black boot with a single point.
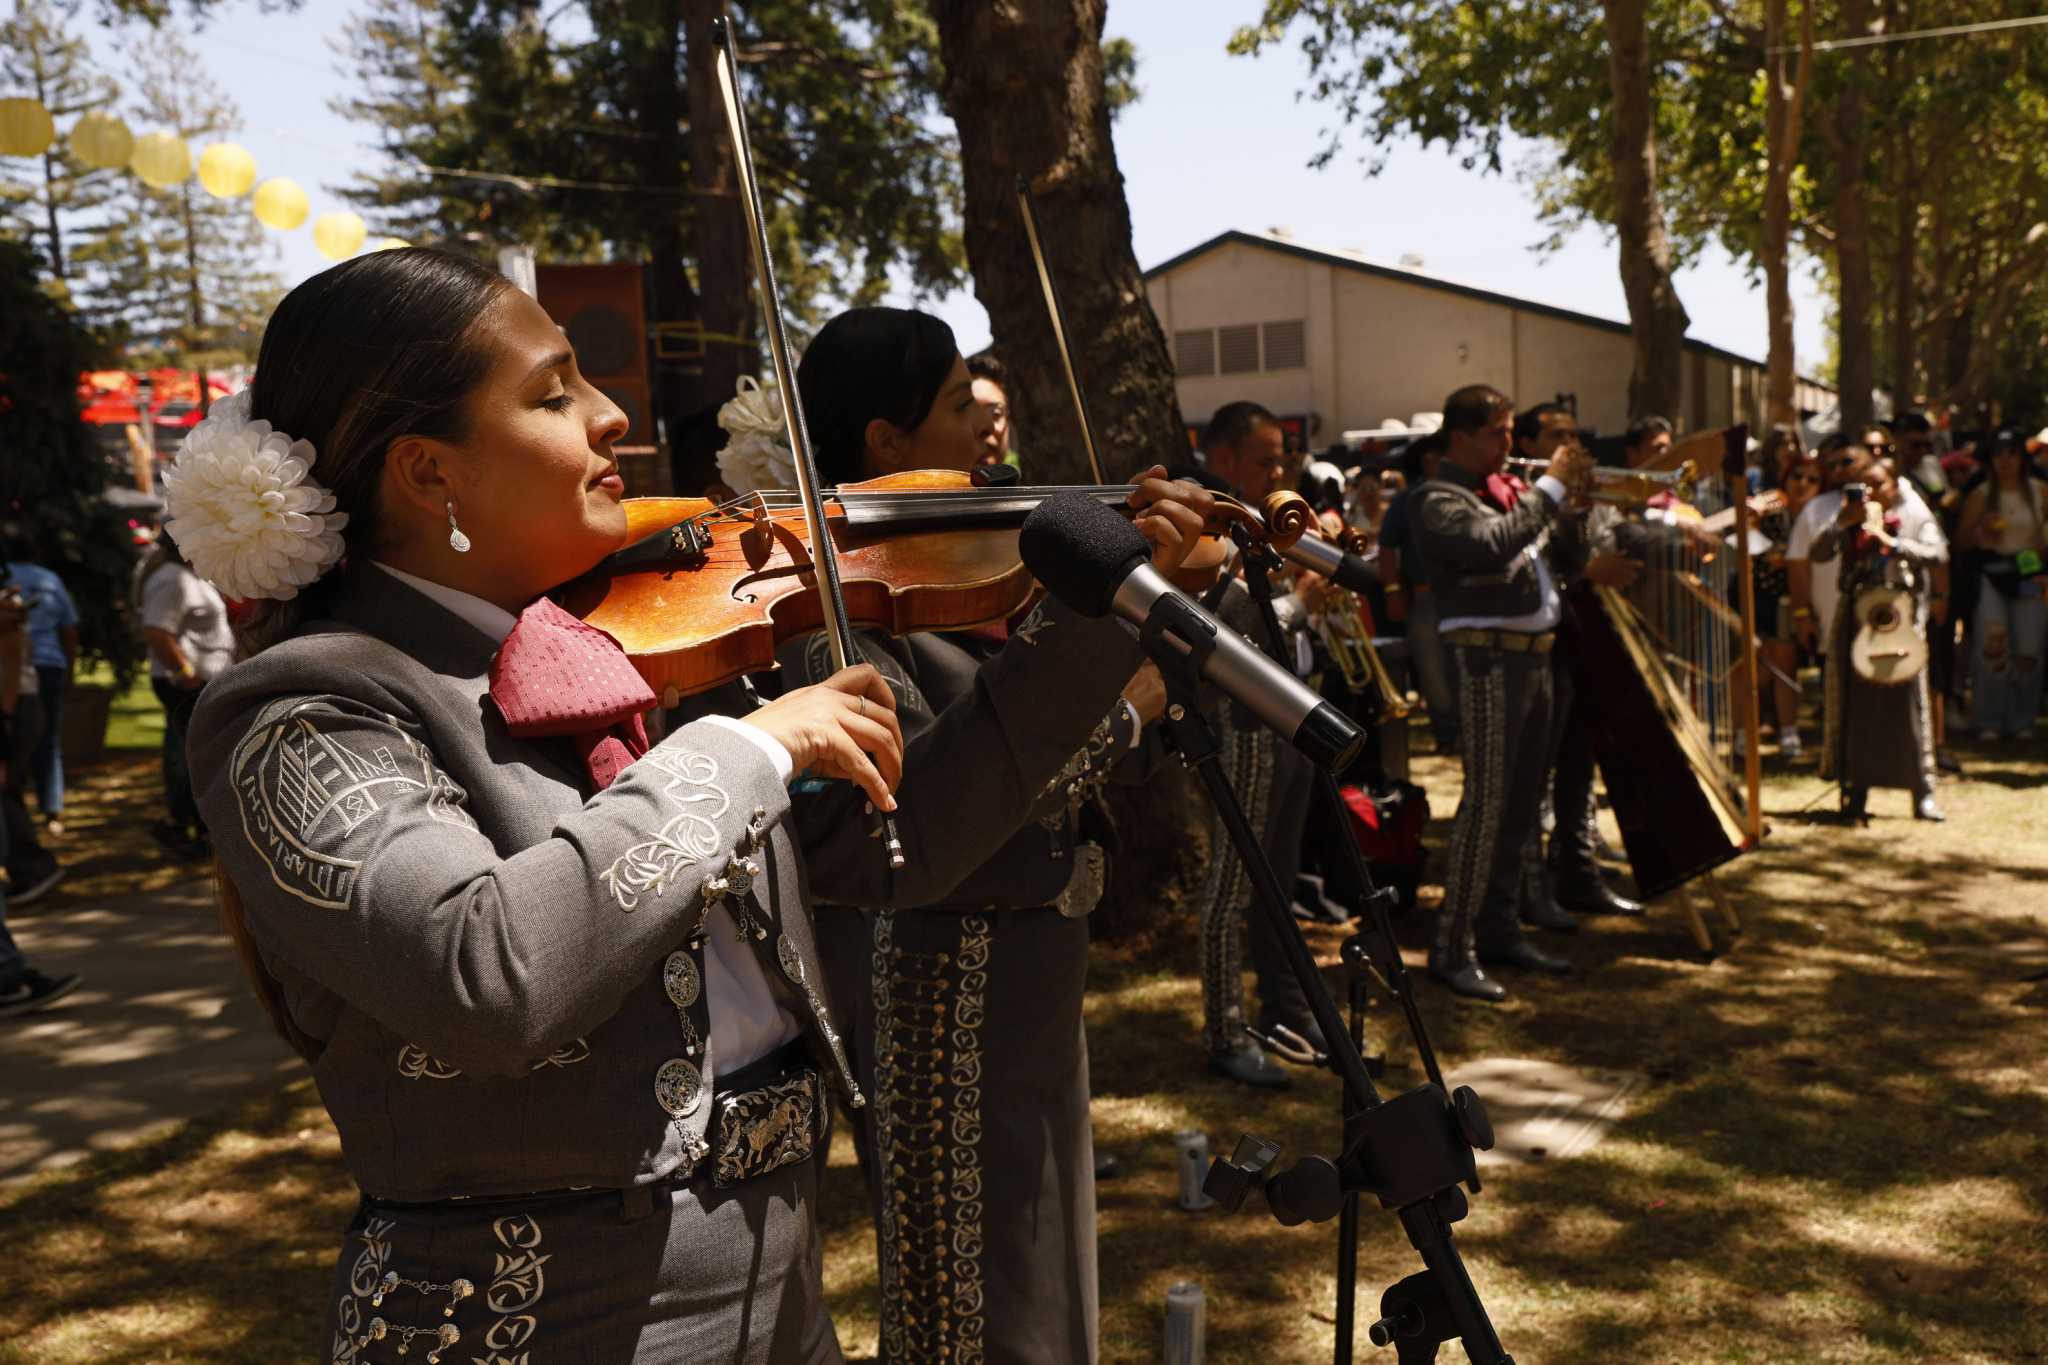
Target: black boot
<point x="1856" y="802"/>
<point x="1544" y="912"/>
<point x="1587" y="893"/>
<point x="1526" y="955"/>
<point x="1468" y="980"/>
<point x="1249" y="1065"/>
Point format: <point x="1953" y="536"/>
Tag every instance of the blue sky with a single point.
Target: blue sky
<point x="1215" y="142"/>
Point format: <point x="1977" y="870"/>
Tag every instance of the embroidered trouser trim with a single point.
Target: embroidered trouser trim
<point x="1247" y="759"/>
<point x="929" y="1011"/>
<point x="1504" y="706"/>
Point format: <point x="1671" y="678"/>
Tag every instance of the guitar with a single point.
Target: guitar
<point x="1886" y="649"/>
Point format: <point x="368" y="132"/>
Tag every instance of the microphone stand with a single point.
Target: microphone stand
<point x="1412" y="1151"/>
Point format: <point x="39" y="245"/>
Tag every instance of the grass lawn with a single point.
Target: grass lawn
<point x="1837" y="1152"/>
<point x="136" y="720"/>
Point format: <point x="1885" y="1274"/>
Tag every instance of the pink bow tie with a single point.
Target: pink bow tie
<point x="555" y="676"/>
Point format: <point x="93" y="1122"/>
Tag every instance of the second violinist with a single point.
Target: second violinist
<point x="967" y="1010"/>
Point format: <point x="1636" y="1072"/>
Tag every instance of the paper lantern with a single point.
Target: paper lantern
<point x="391" y="244"/>
<point x="226" y="170"/>
<point x="161" y="160"/>
<point x="339" y="235"/>
<point x="25" y="127"/>
<point x="101" y="141"/>
<point x="280" y="204"/>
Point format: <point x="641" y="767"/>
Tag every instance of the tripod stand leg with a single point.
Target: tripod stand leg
<point x="1347" y="1278"/>
<point x="1693" y="920"/>
<point x="1722" y="905"/>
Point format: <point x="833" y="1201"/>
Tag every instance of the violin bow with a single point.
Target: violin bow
<point x="1029" y="209"/>
<point x="824" y="556"/>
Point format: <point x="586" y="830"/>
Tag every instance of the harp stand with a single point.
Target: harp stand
<point x="1412" y="1151"/>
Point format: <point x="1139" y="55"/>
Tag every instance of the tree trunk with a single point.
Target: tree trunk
<point x="1905" y="254"/>
<point x="195" y="300"/>
<point x="1905" y="232"/>
<point x="49" y="171"/>
<point x="724" y="264"/>
<point x="1858" y="372"/>
<point x="1783" y="108"/>
<point x="1023" y="82"/>
<point x="653" y="100"/>
<point x="1657" y="320"/>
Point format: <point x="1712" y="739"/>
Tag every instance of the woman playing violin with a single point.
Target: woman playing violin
<point x="557" y="983"/>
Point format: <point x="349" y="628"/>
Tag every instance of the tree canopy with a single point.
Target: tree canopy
<point x="1954" y="146"/>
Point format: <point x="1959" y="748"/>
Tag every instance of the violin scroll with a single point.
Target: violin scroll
<point x="1288" y="518"/>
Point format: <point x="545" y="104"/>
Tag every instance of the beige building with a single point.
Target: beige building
<point x="1342" y="343"/>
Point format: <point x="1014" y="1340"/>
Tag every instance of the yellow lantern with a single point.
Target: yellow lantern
<point x="339" y="235"/>
<point x="226" y="170"/>
<point x="280" y="204"/>
<point x="391" y="244"/>
<point x="101" y="141"/>
<point x="25" y="127"/>
<point x="161" y="160"/>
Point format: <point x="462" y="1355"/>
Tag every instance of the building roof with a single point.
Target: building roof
<point x="1353" y="261"/>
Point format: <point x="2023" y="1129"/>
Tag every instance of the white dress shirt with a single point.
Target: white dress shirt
<point x="1916" y="523"/>
<point x="746" y="1021"/>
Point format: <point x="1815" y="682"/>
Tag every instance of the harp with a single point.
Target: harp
<point x="1669" y="667"/>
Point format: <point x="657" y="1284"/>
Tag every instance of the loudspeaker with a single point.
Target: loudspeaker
<point x="604" y="311"/>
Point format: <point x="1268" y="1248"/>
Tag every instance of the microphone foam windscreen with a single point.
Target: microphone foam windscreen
<point x="1080" y="550"/>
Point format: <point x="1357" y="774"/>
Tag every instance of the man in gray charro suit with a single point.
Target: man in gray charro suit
<point x="1244" y="453"/>
<point x="503" y="979"/>
<point x="1498" y="606"/>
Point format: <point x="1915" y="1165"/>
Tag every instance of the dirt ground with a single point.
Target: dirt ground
<point x="1834" y="1151"/>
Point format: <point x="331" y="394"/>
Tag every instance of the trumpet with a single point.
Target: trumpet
<point x="1348" y="638"/>
<point x="1625" y="486"/>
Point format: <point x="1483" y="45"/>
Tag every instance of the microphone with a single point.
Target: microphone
<point x="1340" y="566"/>
<point x="1097" y="563"/>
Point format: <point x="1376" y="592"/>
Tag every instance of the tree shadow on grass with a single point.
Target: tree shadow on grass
<point x="229" y="1266"/>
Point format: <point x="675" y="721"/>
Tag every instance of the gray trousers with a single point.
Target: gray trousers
<point x="1504" y="708"/>
<point x="1275" y="784"/>
<point x="608" y="1277"/>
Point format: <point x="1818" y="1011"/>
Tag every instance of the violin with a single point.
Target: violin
<point x="705" y="593"/>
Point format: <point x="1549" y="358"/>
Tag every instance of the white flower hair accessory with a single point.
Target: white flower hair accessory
<point x="243" y="505"/>
<point x="754" y="455"/>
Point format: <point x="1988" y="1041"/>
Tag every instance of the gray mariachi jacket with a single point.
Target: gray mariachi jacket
<point x="1473" y="553"/>
<point x="1066" y="671"/>
<point x="504" y="973"/>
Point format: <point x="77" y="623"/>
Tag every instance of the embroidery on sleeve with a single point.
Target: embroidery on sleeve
<point x="818" y="667"/>
<point x="1033" y="626"/>
<point x="684" y="839"/>
<point x="303" y="790"/>
<point x="1085" y="774"/>
<point x="415" y="1063"/>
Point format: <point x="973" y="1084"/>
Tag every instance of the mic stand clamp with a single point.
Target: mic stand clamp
<point x="1412" y="1151"/>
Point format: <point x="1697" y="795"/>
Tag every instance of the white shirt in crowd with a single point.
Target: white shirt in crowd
<point x="188" y="608"/>
<point x="746" y="1021"/>
<point x="1915" y="523"/>
<point x="2020" y="510"/>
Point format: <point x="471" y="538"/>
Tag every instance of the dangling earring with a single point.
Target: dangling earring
<point x="457" y="541"/>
